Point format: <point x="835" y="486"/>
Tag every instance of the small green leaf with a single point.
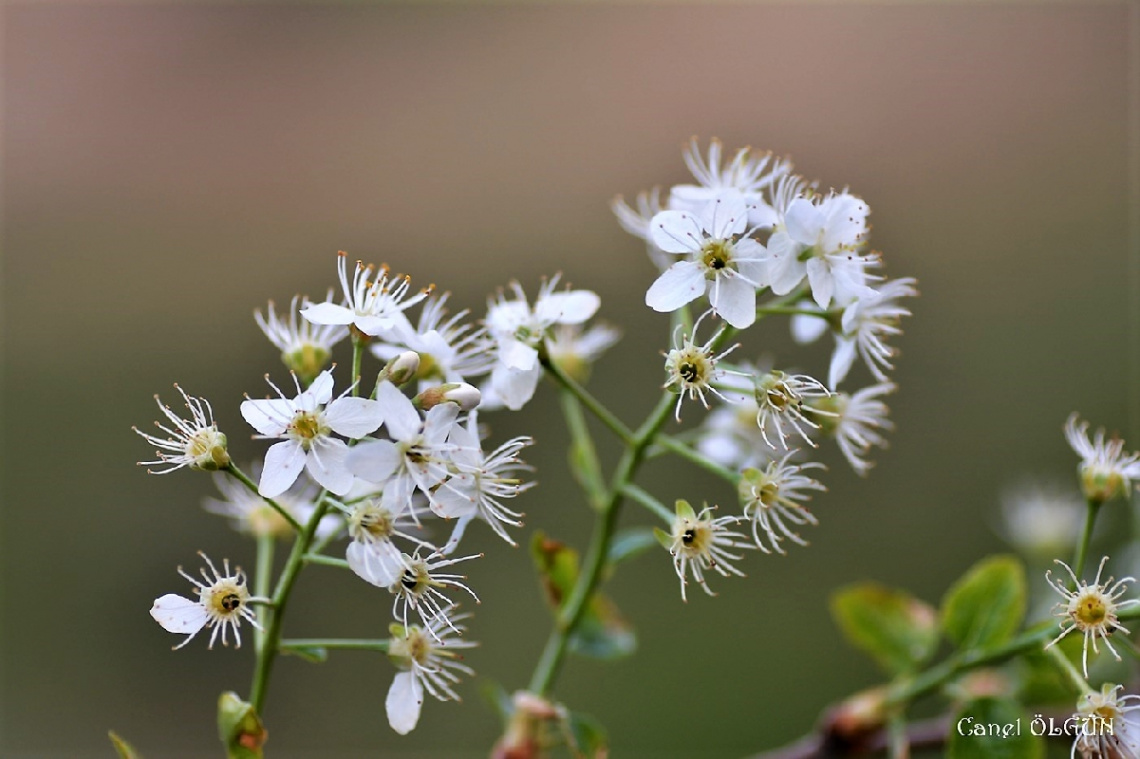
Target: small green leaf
<point x="631" y="542"/>
<point x="899" y="631"/>
<point x="985" y="607"/>
<point x="124" y="749"/>
<point x="314" y="654"/>
<point x="557" y="565"/>
<point x="498" y="698"/>
<point x="586" y="737"/>
<point x="992" y="728"/>
<point x="602" y="632"/>
<point x="240" y="728"/>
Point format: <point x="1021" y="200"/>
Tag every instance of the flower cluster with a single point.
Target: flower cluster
<point x="748" y="239"/>
<point x="373" y="462"/>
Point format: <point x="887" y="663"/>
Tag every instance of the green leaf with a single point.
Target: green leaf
<point x="1039" y="681"/>
<point x="314" y="654"/>
<point x="992" y="728"/>
<point x="240" y="728"/>
<point x="985" y="607"/>
<point x="631" y="542"/>
<point x="602" y="632"/>
<point x="498" y="698"/>
<point x="124" y="749"/>
<point x="586" y="737"/>
<point x="897" y="630"/>
<point x="557" y="566"/>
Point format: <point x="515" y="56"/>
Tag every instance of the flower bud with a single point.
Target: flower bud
<point x="307" y="361"/>
<point x="461" y="394"/>
<point x="402" y="368"/>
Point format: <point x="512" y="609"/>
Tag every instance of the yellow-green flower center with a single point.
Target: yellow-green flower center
<point x="307" y="426"/>
<point x="1090" y="609"/>
<point x="715" y="255"/>
<point x="226" y="598"/>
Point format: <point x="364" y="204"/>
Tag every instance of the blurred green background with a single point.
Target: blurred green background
<point x="169" y="169"/>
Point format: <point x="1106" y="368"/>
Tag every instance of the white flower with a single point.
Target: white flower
<point x="223" y="602"/>
<point x="480" y="482"/>
<point x="519" y="330"/>
<point x="418" y="588"/>
<point x="780" y="400"/>
<point x="729" y="435"/>
<point x="1106" y="470"/>
<point x="428" y="661"/>
<point x="373" y="306"/>
<point x="305" y="347"/>
<point x="729" y="269"/>
<point x="866" y="321"/>
<point x="417" y="456"/>
<point x="748" y="174"/>
<point x="307" y="426"/>
<point x="1041" y="518"/>
<point x="1107" y="725"/>
<point x="372" y="554"/>
<point x="821" y="240"/>
<point x="699" y="543"/>
<point x="449" y="350"/>
<point x="855" y="422"/>
<point x="1090" y="609"/>
<point x="636" y="222"/>
<point x="774" y="496"/>
<point x="251" y="513"/>
<point x="575" y="349"/>
<point x="691" y="369"/>
<point x="194" y="442"/>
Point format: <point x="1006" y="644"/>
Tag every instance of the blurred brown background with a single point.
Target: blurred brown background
<point x="168" y="169"/>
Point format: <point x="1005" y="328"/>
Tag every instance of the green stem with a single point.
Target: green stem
<point x="268" y="652"/>
<point x="1075" y="678"/>
<point x="689" y="454"/>
<point x="604" y="415"/>
<point x="235" y="472"/>
<point x="546" y="671"/>
<point x="344" y="643"/>
<point x="328" y="561"/>
<point x="649" y="502"/>
<point x="1086" y="538"/>
<point x="358" y="343"/>
<point x="265" y="546"/>
<point x="584" y="457"/>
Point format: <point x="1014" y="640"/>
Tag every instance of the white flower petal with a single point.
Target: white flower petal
<point x="374" y="461"/>
<point x="676" y="232"/>
<point x="456" y="497"/>
<point x="269" y="416"/>
<point x="327" y="463"/>
<point x="283" y="462"/>
<point x="842" y="359"/>
<point x="804" y="221"/>
<point x="400" y="416"/>
<point x="405" y="698"/>
<point x="378" y="563"/>
<point x="514" y="387"/>
<point x="354" y="417"/>
<point x="328" y="313"/>
<point x="822" y="283"/>
<point x="807" y="329"/>
<point x="179" y="615"/>
<point x="735" y="301"/>
<point x="785" y="270"/>
<point x="573" y="307"/>
<point x="318" y="393"/>
<point x="517" y="355"/>
<point x="682" y="283"/>
<point x="725" y="216"/>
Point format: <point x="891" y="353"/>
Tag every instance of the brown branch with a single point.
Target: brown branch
<point x="923" y="734"/>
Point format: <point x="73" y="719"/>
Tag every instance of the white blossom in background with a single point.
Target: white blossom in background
<point x="305" y="347"/>
<point x="780" y="402"/>
<point x="729" y="435"/>
<point x="417" y="456"/>
<point x="195" y="442"/>
<point x="866" y="321"/>
<point x="691" y="370"/>
<point x="479" y="483"/>
<point x="428" y="661"/>
<point x="716" y="260"/>
<point x="748" y="174"/>
<point x="449" y="350"/>
<point x="574" y="349"/>
<point x="1108" y="725"/>
<point x="856" y="421"/>
<point x="250" y="513"/>
<point x="519" y="331"/>
<point x="374" y="304"/>
<point x="1106" y="469"/>
<point x="222" y="603"/>
<point x="1091" y="609"/>
<point x="1041" y="518"/>
<point x="698" y="543"/>
<point x="828" y="232"/>
<point x="774" y="496"/>
<point x="636" y="222"/>
<point x="420" y="588"/>
<point x="305" y="424"/>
